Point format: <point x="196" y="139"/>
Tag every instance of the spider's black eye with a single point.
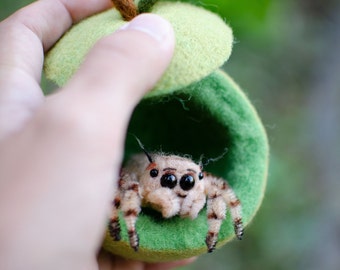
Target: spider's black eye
<point x="154" y="173"/>
<point x="200" y="176"/>
<point x="168" y="180"/>
<point x="187" y="182"/>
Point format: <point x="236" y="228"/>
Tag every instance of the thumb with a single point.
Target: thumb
<point x="69" y="152"/>
<point x="128" y="62"/>
<point x="115" y="75"/>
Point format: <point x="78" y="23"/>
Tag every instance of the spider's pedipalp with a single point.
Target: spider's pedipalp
<point x="164" y="201"/>
<point x="192" y="205"/>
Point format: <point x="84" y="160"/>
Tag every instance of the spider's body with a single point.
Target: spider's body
<point x="172" y="185"/>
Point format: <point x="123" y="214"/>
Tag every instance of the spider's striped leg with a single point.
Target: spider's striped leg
<point x="220" y="195"/>
<point x="235" y="210"/>
<point x="130" y="206"/>
<point x="216" y="209"/>
<point x="114" y="226"/>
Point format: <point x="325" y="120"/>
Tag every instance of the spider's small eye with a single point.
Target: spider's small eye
<point x="168" y="180"/>
<point x="154" y="173"/>
<point x="200" y="176"/>
<point x="187" y="182"/>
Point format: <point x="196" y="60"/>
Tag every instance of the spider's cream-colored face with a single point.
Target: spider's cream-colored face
<point x="177" y="174"/>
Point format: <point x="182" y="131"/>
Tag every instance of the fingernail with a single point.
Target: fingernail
<point x="152" y="25"/>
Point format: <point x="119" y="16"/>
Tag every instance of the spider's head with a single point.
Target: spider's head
<point x="179" y="174"/>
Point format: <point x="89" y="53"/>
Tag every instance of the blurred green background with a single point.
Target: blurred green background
<point x="287" y="59"/>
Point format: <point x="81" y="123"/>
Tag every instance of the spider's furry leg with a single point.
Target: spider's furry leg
<point x="130" y="206"/>
<point x="114" y="226"/>
<point x="220" y="195"/>
<point x="216" y="209"/>
<point x="235" y="211"/>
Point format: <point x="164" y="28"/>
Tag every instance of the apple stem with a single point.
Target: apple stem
<point x="129" y="10"/>
<point x="126" y="8"/>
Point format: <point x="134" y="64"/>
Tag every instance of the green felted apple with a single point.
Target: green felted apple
<point x="195" y="109"/>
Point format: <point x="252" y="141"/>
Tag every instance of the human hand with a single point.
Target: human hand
<point x="60" y="155"/>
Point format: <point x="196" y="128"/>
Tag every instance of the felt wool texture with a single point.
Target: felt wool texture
<point x="203" y="44"/>
<point x="145" y="5"/>
<point x="193" y="110"/>
<point x="174" y="186"/>
<point x="206" y="118"/>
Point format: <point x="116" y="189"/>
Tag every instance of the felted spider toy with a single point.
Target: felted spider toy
<point x="172" y="185"/>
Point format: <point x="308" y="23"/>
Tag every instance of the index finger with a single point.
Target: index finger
<point x="24" y="37"/>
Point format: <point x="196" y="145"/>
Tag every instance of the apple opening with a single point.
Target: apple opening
<point x="206" y="118"/>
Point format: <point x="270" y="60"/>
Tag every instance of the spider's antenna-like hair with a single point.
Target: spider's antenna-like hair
<point x="209" y="160"/>
<point x="143" y="148"/>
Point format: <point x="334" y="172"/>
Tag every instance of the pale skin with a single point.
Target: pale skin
<point x="60" y="155"/>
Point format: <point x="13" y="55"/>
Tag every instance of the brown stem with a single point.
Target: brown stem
<point x="126" y="8"/>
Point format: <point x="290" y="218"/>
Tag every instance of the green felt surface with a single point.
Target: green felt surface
<point x="145" y="5"/>
<point x="203" y="44"/>
<point x="204" y="118"/>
